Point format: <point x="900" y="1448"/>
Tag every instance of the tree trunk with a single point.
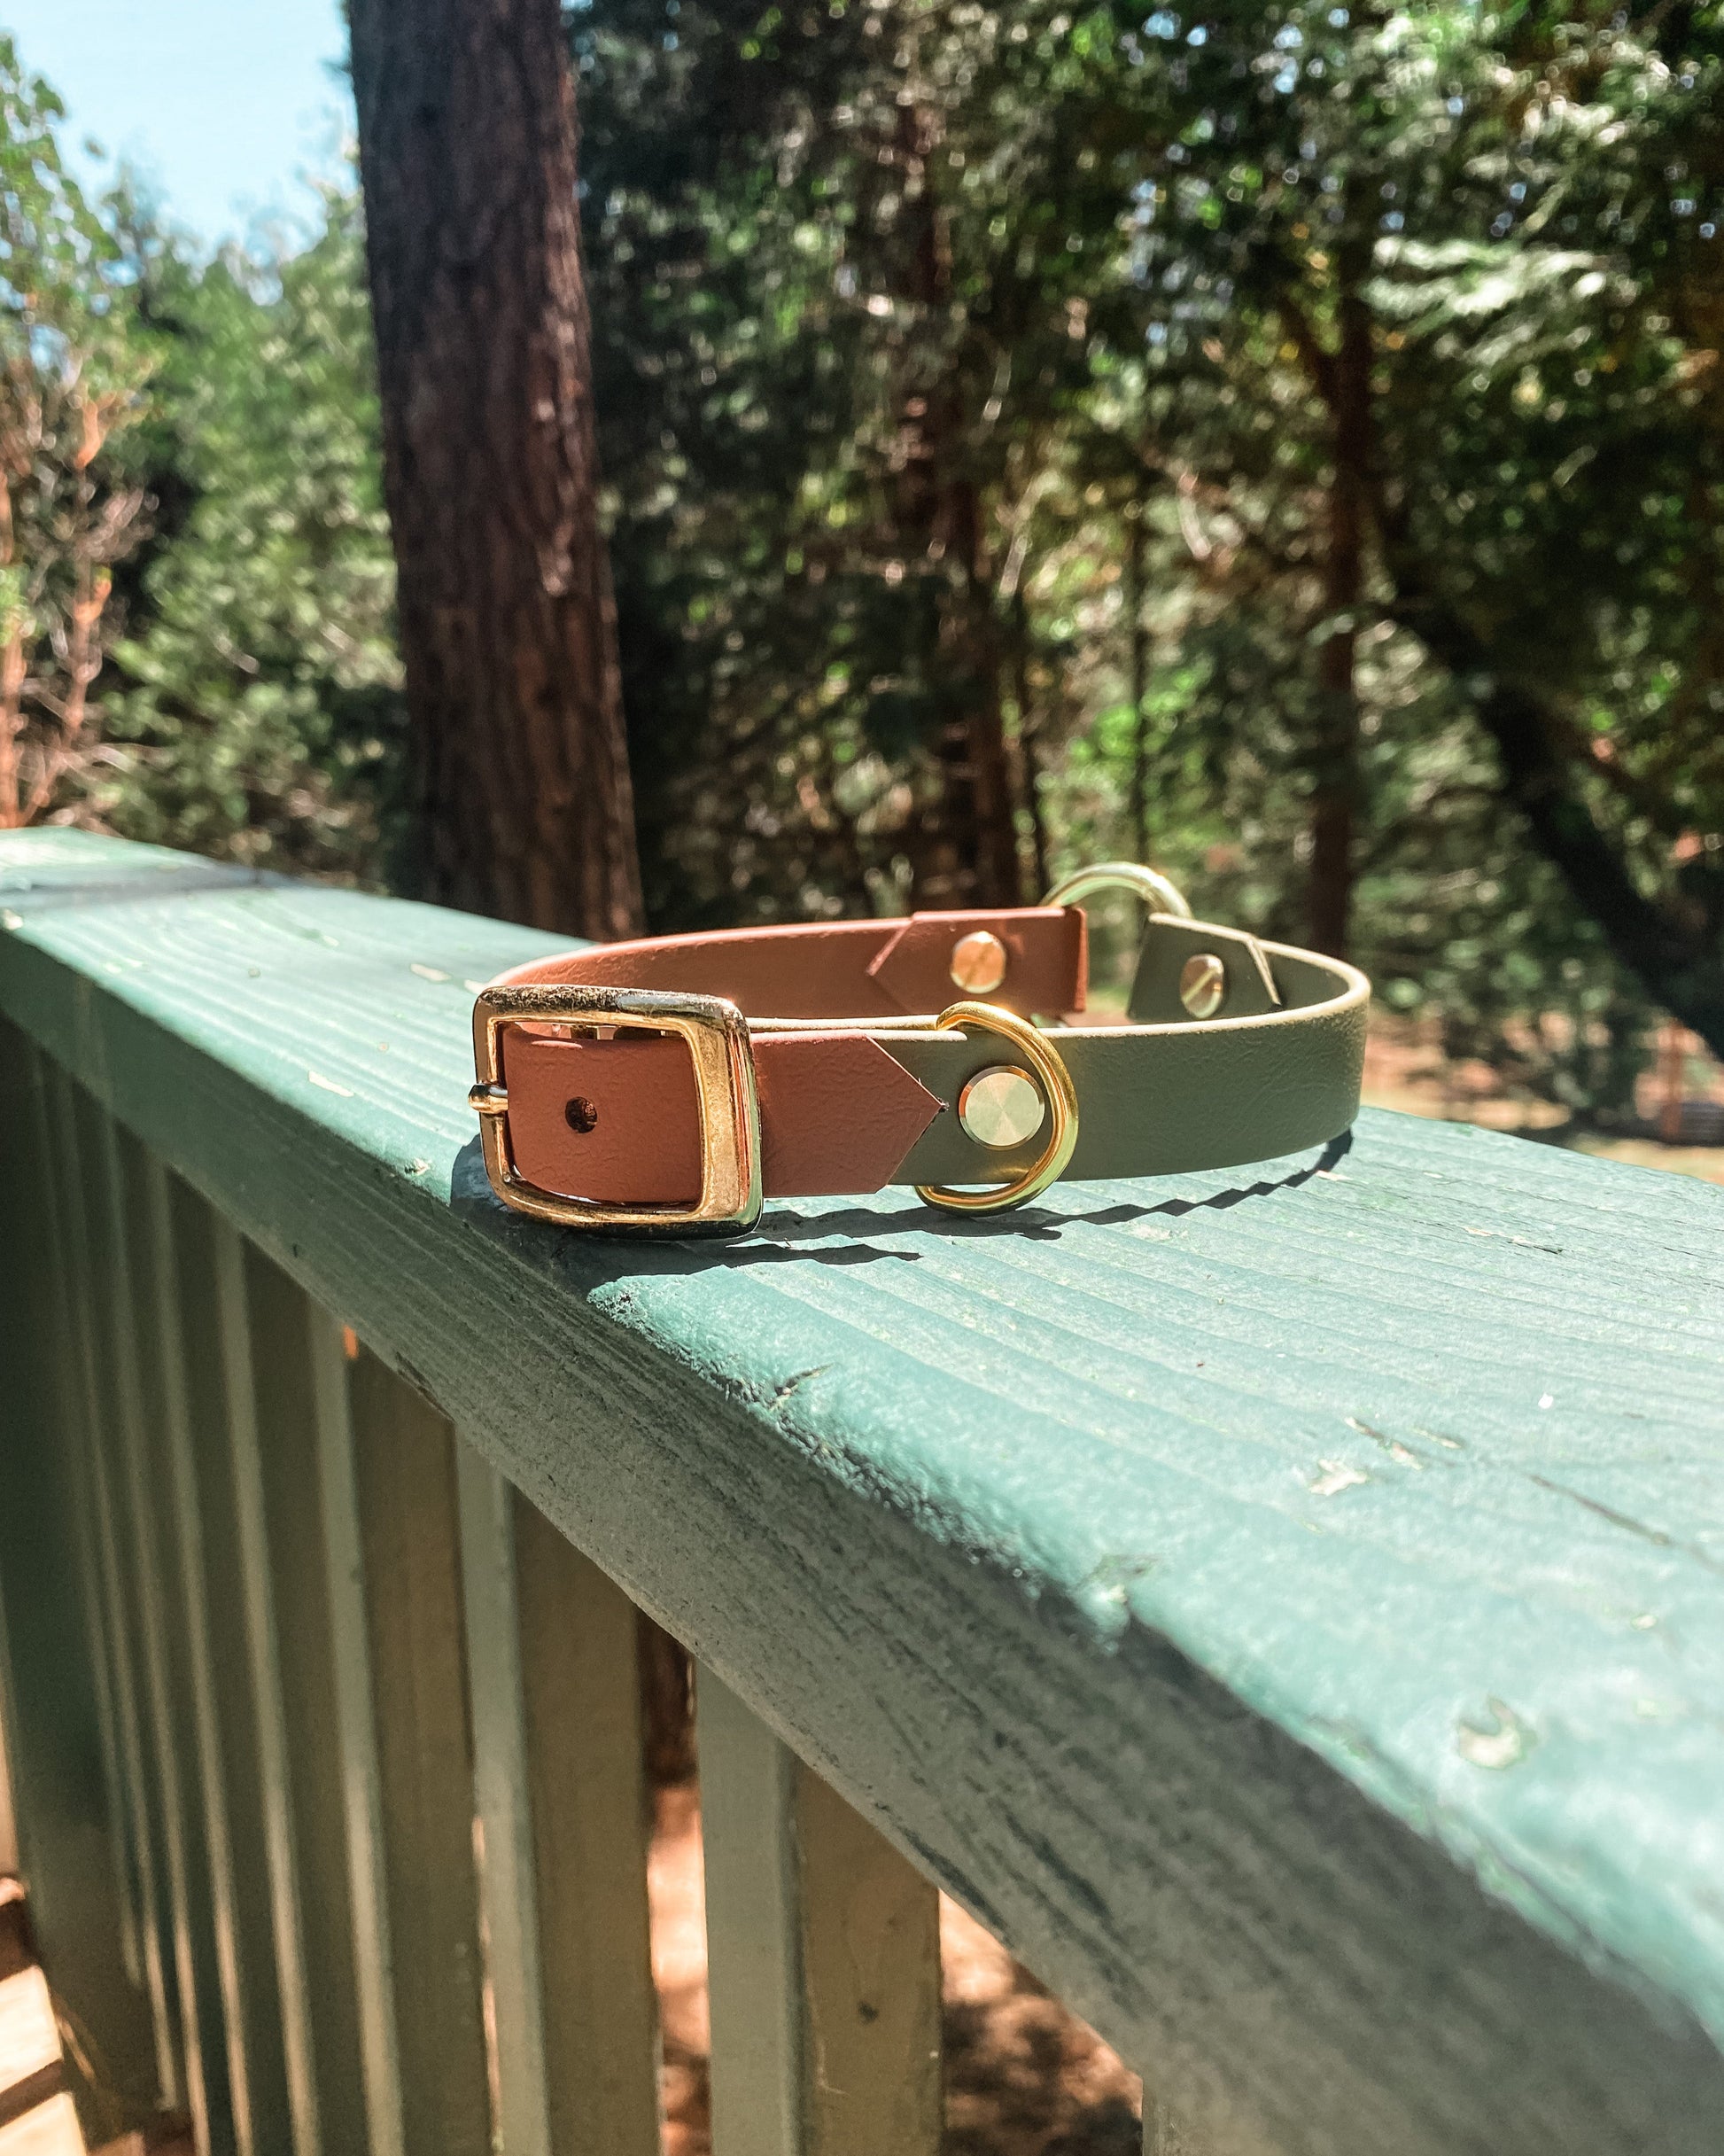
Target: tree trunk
<point x="467" y="152"/>
<point x="974" y="659"/>
<point x="1136" y="814"/>
<point x="967" y="849"/>
<point x="1029" y="744"/>
<point x="1335" y="790"/>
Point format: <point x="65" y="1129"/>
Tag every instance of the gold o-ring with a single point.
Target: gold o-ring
<point x="1149" y="885"/>
<point x="1044" y="1060"/>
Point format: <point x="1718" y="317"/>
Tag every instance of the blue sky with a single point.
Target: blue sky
<point x="224" y="105"/>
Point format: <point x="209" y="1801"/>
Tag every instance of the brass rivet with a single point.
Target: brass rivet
<point x="978" y="962"/>
<point x="1001" y="1106"/>
<point x="1203" y="985"/>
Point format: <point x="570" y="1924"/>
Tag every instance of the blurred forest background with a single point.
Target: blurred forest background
<point x="1285" y="443"/>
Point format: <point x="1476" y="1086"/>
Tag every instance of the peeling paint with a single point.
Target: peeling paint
<point x="1336" y="1476"/>
<point x="1505" y="1743"/>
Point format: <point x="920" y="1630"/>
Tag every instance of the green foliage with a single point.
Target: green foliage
<point x="1147" y="234"/>
<point x="1024" y="367"/>
<point x="74" y="366"/>
<point x="261" y="712"/>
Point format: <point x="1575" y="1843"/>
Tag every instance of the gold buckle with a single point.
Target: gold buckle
<point x="1062" y="1095"/>
<point x="717" y="1038"/>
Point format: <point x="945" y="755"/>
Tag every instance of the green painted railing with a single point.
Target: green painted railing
<point x="1287" y="1607"/>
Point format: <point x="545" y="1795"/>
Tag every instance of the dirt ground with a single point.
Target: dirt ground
<point x="1404" y="1070"/>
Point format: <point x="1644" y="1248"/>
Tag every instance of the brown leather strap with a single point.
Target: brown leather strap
<point x="614" y="1119"/>
<point x="849" y="970"/>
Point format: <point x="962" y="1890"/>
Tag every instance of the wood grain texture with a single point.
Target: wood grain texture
<point x="253" y="1713"/>
<point x="356" y="1752"/>
<point x="211" y="1890"/>
<point x="70" y="1318"/>
<point x="1285" y="1605"/>
<point x="313" y="1784"/>
<point x="137" y="1343"/>
<point x="84" y="1132"/>
<point x="823" y="1958"/>
<point x="502" y="1805"/>
<point x="267" y="2083"/>
<point x="870" y="1942"/>
<point x="8" y="1856"/>
<point x="753" y="1951"/>
<point x="589" y="1805"/>
<point x="70" y="1820"/>
<point x="404" y="1470"/>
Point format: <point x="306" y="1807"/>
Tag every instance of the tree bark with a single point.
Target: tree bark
<point x="1137" y="811"/>
<point x="523" y="806"/>
<point x="1345" y="382"/>
<point x="977" y="729"/>
<point x="967" y="849"/>
<point x="1029" y="744"/>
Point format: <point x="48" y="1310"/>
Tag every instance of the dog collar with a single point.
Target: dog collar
<point x="666" y="1086"/>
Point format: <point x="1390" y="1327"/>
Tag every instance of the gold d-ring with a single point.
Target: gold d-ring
<point x="1044" y="1060"/>
<point x="1157" y="893"/>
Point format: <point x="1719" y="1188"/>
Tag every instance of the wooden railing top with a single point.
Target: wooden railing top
<point x="1286" y="1605"/>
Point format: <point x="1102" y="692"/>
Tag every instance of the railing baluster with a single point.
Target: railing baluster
<point x="58" y="1134"/>
<point x="589" y="1805"/>
<point x="272" y="1335"/>
<point x="141" y="1384"/>
<point x="822" y="1955"/>
<point x="9" y="1859"/>
<point x="50" y="1100"/>
<point x="871" y="1981"/>
<point x="70" y="1829"/>
<point x="213" y="1562"/>
<point x="747" y="1803"/>
<point x="187" y="1642"/>
<point x="81" y="1152"/>
<point x="398" y="1546"/>
<point x="507" y="1900"/>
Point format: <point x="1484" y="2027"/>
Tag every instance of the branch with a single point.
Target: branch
<point x="1676" y="951"/>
